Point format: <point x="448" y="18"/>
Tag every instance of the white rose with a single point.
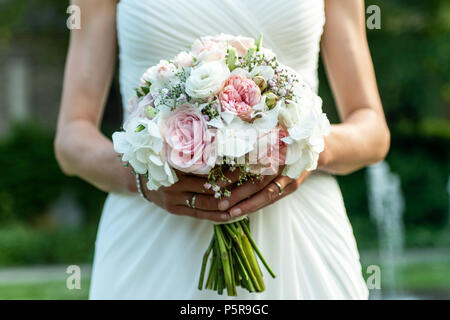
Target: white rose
<point x="160" y="74"/>
<point x="207" y="79"/>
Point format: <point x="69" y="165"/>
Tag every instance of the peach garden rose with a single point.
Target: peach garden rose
<point x="239" y="95"/>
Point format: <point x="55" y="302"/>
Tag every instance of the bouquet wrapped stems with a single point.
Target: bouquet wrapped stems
<point x="233" y="261"/>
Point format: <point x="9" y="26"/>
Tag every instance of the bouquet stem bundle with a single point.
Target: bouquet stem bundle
<point x="233" y="261"/>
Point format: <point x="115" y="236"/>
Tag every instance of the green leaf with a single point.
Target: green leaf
<point x="146" y="90"/>
<point x="139" y="128"/>
<point x="258" y="42"/>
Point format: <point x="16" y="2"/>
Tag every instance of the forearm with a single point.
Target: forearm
<point x="363" y="139"/>
<point x="83" y="151"/>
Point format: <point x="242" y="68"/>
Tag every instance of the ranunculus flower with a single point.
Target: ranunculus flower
<point x="189" y="145"/>
<point x="239" y="96"/>
<point x="207" y="79"/>
<point x="208" y="50"/>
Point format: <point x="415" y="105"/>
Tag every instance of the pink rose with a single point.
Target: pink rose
<point x="240" y="43"/>
<point x="271" y="152"/>
<point x="239" y="95"/>
<point x="207" y="50"/>
<point x="189" y="145"/>
<point x="184" y="59"/>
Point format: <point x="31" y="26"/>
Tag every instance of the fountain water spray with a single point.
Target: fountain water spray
<point x="448" y="191"/>
<point x="386" y="205"/>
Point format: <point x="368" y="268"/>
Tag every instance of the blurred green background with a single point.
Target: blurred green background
<point x="48" y="219"/>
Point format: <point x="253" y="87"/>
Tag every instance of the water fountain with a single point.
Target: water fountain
<point x="386" y="206"/>
<point x="448" y="191"/>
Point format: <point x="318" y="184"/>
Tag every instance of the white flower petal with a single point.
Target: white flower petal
<point x="120" y="142"/>
<point x="156" y="159"/>
<point x="264" y="71"/>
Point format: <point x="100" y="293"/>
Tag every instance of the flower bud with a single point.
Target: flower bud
<point x="259" y="42"/>
<point x="231" y="58"/>
<point x="260" y="82"/>
<point x="271" y="99"/>
<point x="151" y="112"/>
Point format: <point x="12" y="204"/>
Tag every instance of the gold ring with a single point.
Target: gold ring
<point x="280" y="188"/>
<point x="191" y="204"/>
<point x="193" y="201"/>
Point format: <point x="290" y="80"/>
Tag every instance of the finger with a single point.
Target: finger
<point x="192" y="184"/>
<point x="182" y="199"/>
<point x="207" y="202"/>
<point x="244" y="191"/>
<point x="231" y="177"/>
<point x="201" y="202"/>
<point x="266" y="196"/>
<point x="283" y="182"/>
<point x="216" y="216"/>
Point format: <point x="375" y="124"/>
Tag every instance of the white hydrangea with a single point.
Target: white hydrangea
<point x="142" y="149"/>
<point x="307" y="126"/>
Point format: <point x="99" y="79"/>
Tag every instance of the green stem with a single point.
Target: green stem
<point x="224" y="259"/>
<point x="252" y="259"/>
<point x="205" y="261"/>
<point x="255" y="247"/>
<point x="246" y="282"/>
<point x="245" y="261"/>
<point x="217" y="271"/>
<point x="233" y="279"/>
<point x="211" y="275"/>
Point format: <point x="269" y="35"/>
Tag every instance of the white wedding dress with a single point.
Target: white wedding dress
<point x="144" y="252"/>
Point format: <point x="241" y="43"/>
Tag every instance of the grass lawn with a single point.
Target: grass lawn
<point x="426" y="276"/>
<point x="55" y="290"/>
<point x="422" y="280"/>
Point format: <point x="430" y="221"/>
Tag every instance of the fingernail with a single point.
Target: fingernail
<point x="236" y="212"/>
<point x="224" y="216"/>
<point x="224" y="204"/>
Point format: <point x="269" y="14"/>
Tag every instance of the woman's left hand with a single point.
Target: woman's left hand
<point x="251" y="197"/>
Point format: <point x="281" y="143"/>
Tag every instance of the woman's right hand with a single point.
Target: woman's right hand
<point x="173" y="198"/>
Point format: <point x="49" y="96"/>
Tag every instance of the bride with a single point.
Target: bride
<point x="152" y="248"/>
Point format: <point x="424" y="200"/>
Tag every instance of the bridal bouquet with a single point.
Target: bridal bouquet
<point x="226" y="104"/>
